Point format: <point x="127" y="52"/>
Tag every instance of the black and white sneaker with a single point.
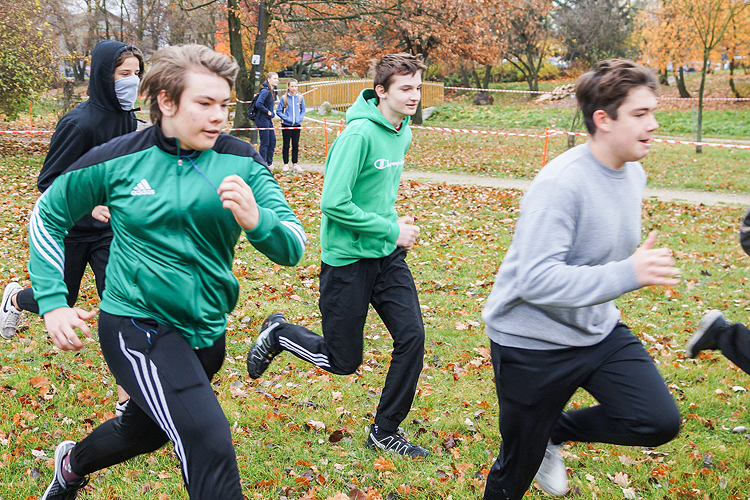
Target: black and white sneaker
<point x="266" y="346"/>
<point x="9" y="315"/>
<point x="59" y="489"/>
<point x="394" y="442"/>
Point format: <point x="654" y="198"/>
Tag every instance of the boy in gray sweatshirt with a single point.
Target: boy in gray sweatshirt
<point x="551" y="317"/>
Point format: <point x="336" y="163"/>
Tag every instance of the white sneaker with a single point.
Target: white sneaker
<point x="10" y="315"/>
<point x="296" y="168"/>
<point x="552" y="475"/>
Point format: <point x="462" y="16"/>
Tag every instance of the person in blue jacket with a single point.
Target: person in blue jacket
<point x="263" y="117"/>
<point x="291" y="110"/>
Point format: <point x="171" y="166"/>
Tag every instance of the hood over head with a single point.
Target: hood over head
<point x="102" y="74"/>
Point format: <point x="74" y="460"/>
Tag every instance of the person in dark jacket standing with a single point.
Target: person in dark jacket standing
<point x="116" y="70"/>
<point x="263" y="116"/>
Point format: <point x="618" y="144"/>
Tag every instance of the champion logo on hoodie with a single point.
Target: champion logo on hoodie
<point x="385" y="163"/>
<point x="142" y="188"/>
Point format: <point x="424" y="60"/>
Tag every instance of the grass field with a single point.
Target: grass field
<point x="299" y="432"/>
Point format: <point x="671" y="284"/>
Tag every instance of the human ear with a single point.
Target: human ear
<point x="380" y="91"/>
<point x="166" y="105"/>
<point x="602" y="120"/>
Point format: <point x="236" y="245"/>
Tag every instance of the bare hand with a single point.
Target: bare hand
<point x="654" y="266"/>
<point x="61" y="324"/>
<point x="238" y="197"/>
<point x="101" y="213"/>
<point x="407" y="232"/>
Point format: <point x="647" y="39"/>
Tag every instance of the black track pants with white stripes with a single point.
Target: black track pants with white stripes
<point x="171" y="400"/>
<point x="345" y="296"/>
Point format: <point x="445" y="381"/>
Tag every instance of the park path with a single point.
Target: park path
<point x="690" y="196"/>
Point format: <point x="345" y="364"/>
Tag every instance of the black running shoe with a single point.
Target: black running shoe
<point x="266" y="346"/>
<point x="59" y="489"/>
<point x="394" y="442"/>
<point x="711" y="327"/>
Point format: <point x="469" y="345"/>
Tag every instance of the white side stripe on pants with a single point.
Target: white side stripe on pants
<point x="148" y="381"/>
<point x="320" y="360"/>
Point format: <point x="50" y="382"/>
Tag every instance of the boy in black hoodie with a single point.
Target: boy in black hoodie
<point x="116" y="69"/>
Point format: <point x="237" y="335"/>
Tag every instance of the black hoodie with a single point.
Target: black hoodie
<point x="93" y="122"/>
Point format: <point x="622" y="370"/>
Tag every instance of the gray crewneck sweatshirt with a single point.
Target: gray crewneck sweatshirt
<point x="570" y="256"/>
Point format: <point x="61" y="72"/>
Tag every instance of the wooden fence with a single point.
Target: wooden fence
<point x="342" y="93"/>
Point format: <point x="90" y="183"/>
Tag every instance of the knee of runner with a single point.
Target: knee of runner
<point x="213" y="441"/>
<point x="659" y="427"/>
<point x="346" y="366"/>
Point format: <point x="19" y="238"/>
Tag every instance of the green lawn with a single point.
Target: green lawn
<point x="299" y="432"/>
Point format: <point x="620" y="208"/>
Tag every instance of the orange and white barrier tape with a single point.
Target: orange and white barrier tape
<point x="548" y="133"/>
<point x="666" y="141"/>
<point x="319" y="121"/>
<point x="270" y="128"/>
<point x="26" y="131"/>
<point x="509" y="91"/>
<point x="472" y="131"/>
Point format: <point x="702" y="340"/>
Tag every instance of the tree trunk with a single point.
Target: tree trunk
<point x="664" y="77"/>
<point x="699" y="125"/>
<point x="731" y="80"/>
<point x="140" y="23"/>
<point x="243" y="84"/>
<point x="577" y="116"/>
<point x="464" y="77"/>
<point x="487" y="76"/>
<point x="680" y="77"/>
<point x="417" y="118"/>
<point x="476" y="78"/>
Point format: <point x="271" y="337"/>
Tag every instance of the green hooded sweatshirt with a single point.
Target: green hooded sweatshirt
<point x="362" y="175"/>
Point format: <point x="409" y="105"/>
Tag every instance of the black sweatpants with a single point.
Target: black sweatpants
<point x="735" y="345"/>
<point x="290" y="135"/>
<point x="171" y="399"/>
<point x="345" y="295"/>
<point x="533" y="386"/>
<point x="77" y="254"/>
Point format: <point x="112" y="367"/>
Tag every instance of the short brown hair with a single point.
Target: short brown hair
<point x="168" y="69"/>
<point x="395" y="64"/>
<point x="131" y="52"/>
<point x="607" y="85"/>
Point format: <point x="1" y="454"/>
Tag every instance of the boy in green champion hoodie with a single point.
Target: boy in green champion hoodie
<point x="364" y="244"/>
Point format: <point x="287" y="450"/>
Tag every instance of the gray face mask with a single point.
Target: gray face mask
<point x="126" y="90"/>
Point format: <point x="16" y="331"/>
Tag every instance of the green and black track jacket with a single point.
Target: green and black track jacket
<point x="173" y="247"/>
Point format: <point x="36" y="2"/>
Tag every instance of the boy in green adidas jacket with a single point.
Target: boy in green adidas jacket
<point x="180" y="194"/>
<point x="364" y="244"/>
